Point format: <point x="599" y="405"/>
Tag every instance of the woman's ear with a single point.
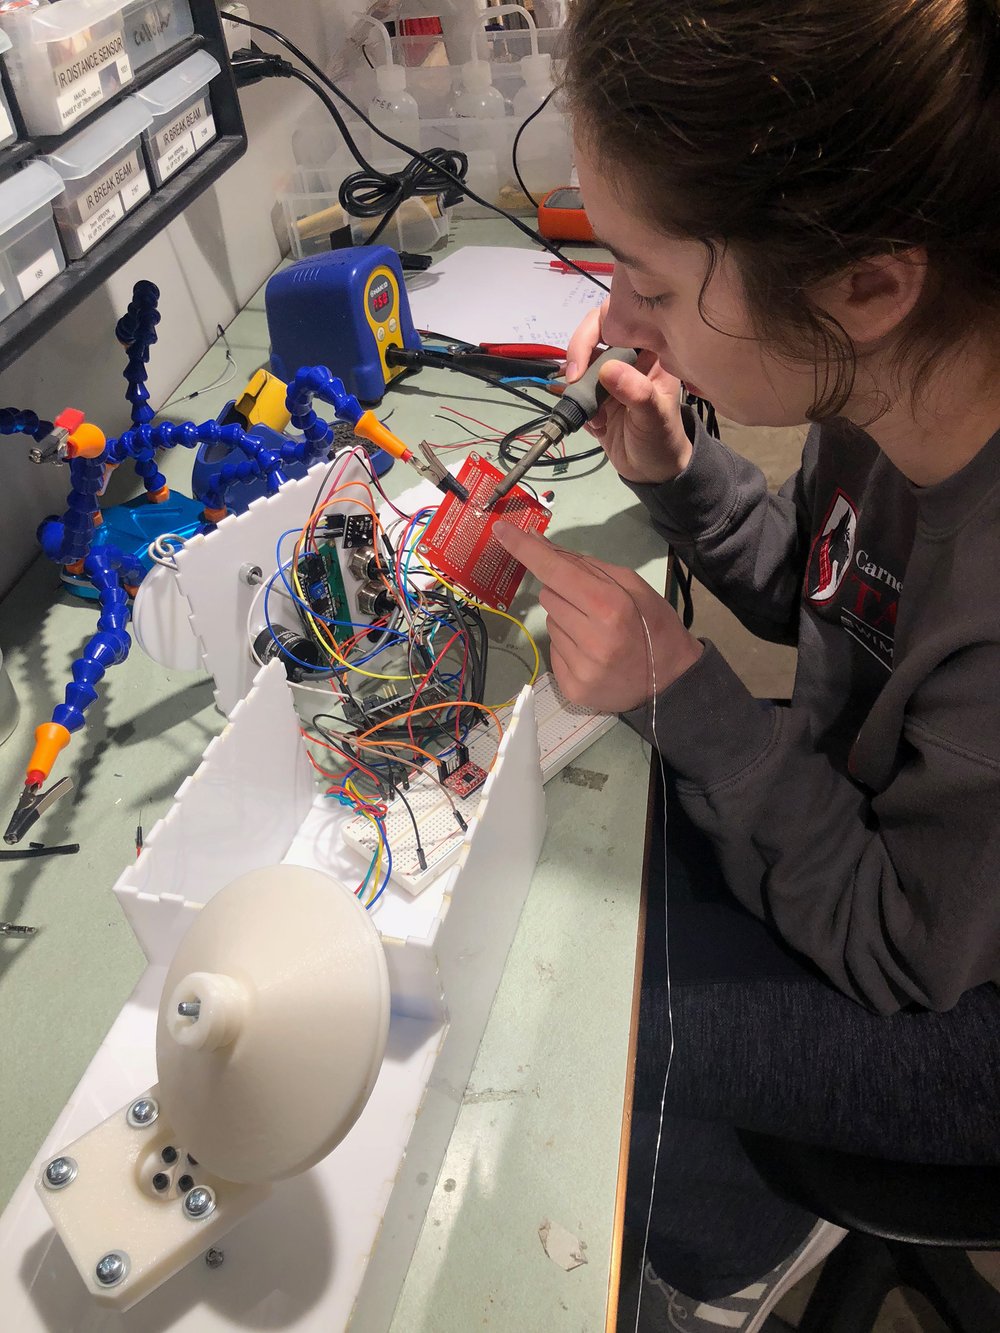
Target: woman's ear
<point x="872" y="298"/>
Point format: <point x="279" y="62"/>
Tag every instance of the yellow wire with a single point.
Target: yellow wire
<point x="484" y="606"/>
<point x="322" y="631"/>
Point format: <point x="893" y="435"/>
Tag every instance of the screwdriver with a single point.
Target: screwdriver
<point x="577" y="405"/>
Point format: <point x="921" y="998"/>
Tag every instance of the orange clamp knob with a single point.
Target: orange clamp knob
<point x="50" y="738"/>
<point x="370" y="428"/>
<point x="86" y="441"/>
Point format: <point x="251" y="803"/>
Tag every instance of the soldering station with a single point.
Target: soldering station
<point x="349" y="617"/>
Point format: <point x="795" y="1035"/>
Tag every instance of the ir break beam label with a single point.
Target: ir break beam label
<point x="183" y="137"/>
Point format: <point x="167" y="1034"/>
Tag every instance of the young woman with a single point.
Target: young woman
<point x="804" y="202"/>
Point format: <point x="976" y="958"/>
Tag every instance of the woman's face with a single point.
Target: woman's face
<point x="655" y="304"/>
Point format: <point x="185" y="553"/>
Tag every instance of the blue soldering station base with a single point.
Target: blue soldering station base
<point x="343" y="310"/>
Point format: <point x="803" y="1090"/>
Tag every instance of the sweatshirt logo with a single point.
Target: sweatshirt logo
<point x="830" y="557"/>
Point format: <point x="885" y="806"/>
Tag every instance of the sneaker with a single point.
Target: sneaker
<point x="664" y="1307"/>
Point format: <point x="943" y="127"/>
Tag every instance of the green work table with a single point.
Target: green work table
<point x="539" y="1132"/>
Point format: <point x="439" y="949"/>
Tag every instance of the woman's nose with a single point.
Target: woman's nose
<point x="624" y="324"/>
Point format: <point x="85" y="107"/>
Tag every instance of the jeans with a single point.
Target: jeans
<point x="762" y="1041"/>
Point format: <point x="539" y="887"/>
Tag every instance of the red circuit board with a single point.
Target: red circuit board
<point x="459" y="539"/>
<point x="466" y="779"/>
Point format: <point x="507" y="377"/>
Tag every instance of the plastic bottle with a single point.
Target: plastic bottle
<point x="392" y="108"/>
<point x="479" y="100"/>
<point x="544" y="150"/>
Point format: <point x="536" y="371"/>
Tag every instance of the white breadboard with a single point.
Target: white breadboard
<point x="564" y="731"/>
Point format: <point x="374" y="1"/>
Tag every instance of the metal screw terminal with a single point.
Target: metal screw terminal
<point x="142" y="1113"/>
<point x="199" y="1202"/>
<point x="112" y="1269"/>
<point x="59" y="1173"/>
<point x="189" y="1009"/>
<point x="251" y="574"/>
<point x="215" y="1258"/>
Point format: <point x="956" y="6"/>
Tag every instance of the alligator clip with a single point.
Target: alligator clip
<point x="431" y="467"/>
<point x="33" y="804"/>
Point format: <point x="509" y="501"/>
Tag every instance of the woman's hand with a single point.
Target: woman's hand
<point x="614" y="641"/>
<point x="639" y="425"/>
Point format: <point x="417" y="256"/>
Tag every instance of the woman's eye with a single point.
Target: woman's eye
<point x="647" y="302"/>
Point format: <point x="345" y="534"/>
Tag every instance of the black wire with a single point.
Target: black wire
<point x="454" y="179"/>
<point x="441" y="361"/>
<point x="517" y="139"/>
<point x="507" y="455"/>
<point x="413" y="820"/>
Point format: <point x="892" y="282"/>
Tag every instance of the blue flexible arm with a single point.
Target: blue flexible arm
<point x="107" y="568"/>
<point x="15" y="422"/>
<point x="136" y="331"/>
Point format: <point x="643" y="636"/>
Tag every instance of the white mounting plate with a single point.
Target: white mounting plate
<point x="329" y="1249"/>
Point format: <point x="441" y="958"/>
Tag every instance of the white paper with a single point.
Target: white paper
<point x="501" y="294"/>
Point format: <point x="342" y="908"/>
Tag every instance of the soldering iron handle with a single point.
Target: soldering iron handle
<point x="581" y="399"/>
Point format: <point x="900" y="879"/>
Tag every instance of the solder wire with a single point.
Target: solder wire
<point x="666" y="919"/>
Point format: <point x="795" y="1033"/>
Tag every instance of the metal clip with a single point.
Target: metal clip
<point x="33" y="804"/>
<point x="51" y="448"/>
<point x="434" y="470"/>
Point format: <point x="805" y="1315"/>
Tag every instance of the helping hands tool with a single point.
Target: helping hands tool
<point x="579" y="402"/>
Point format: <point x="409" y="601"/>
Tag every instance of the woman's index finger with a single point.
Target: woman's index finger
<point x="550" y="564"/>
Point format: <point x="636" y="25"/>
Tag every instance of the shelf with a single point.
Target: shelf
<point x="82" y="276"/>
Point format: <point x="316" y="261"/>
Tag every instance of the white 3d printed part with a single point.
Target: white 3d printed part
<point x="329" y="1249"/>
<point x="284" y="981"/>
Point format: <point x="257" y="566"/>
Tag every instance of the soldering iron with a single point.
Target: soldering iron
<point x="579" y="402"/>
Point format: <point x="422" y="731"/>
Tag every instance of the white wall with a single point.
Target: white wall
<point x="206" y="264"/>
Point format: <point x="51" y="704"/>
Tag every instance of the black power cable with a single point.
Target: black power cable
<point x="517" y="139"/>
<point x="452" y="177"/>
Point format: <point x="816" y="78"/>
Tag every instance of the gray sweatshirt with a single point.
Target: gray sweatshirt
<point x="863" y="822"/>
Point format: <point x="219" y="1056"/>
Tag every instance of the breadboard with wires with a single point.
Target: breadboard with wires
<point x="459" y="539"/>
<point x="564" y="731"/>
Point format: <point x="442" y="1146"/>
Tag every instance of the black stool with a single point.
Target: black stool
<point x="909" y="1226"/>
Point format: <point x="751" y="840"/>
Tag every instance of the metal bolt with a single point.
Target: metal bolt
<point x="215" y="1258"/>
<point x="142" y="1113"/>
<point x="189" y="1009"/>
<point x="59" y="1173"/>
<point x="251" y="574"/>
<point x="112" y="1269"/>
<point x="199" y="1202"/>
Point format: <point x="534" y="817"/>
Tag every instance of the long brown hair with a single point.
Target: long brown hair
<point x="806" y="135"/>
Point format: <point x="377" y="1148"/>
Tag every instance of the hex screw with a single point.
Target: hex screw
<point x="215" y="1258"/>
<point x="142" y="1113"/>
<point x="160" y="1181"/>
<point x="169" y="1155"/>
<point x="185" y="1183"/>
<point x="59" y="1173"/>
<point x="112" y="1268"/>
<point x="198" y="1203"/>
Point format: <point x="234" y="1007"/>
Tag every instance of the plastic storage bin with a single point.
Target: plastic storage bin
<point x="153" y="27"/>
<point x="30" y="253"/>
<point x="104" y="176"/>
<point x="67" y="59"/>
<point x="181" y="105"/>
<point x="8" y="132"/>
